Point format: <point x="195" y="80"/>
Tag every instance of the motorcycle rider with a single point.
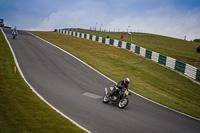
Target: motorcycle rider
<point x="14" y="30"/>
<point x="123" y="84"/>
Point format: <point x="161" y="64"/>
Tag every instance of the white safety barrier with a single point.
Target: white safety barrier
<point x="142" y="51"/>
<point x="190" y="71"/>
<point x="78" y="34"/>
<point x="107" y="41"/>
<point x="88" y="36"/>
<point x="170" y="62"/>
<point x="123" y="45"/>
<point x="133" y="47"/>
<point x="100" y="39"/>
<point x="82" y="35"/>
<point x="116" y="42"/>
<point x="94" y="38"/>
<point x="154" y="56"/>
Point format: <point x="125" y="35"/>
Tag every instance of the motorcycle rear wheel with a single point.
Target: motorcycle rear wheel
<point x="105" y="99"/>
<point x="123" y="103"/>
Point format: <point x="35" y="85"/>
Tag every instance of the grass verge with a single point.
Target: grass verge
<point x="147" y="78"/>
<point x="21" y="110"/>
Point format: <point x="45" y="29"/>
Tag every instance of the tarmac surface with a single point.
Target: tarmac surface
<point x="77" y="90"/>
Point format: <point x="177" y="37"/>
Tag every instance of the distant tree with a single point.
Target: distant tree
<point x="196" y="40"/>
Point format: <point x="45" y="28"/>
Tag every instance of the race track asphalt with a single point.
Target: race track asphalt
<point x="75" y="90"/>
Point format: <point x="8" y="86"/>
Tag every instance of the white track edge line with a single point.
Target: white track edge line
<point x="21" y="73"/>
<point x="116" y="82"/>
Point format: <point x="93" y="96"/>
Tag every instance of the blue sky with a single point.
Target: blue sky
<point x="174" y="18"/>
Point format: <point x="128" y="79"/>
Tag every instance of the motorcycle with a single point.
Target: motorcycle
<point x="120" y="98"/>
<point x="14" y="35"/>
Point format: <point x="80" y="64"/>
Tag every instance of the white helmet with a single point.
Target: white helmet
<point x="126" y="80"/>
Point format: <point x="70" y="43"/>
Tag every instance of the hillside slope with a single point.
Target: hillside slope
<point x="182" y="50"/>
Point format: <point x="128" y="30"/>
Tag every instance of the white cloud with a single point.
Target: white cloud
<point x="79" y="15"/>
<point x="173" y="25"/>
<point x="62" y="19"/>
<point x="164" y="21"/>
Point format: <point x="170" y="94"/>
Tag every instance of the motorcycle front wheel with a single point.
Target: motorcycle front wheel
<point x="123" y="103"/>
<point x="105" y="99"/>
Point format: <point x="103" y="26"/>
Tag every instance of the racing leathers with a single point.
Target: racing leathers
<point x="120" y="85"/>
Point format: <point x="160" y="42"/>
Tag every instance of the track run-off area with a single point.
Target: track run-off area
<point x="75" y="90"/>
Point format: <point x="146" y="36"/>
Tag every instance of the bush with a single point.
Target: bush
<point x="196" y="40"/>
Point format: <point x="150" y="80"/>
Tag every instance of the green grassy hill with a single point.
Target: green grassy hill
<point x="182" y="50"/>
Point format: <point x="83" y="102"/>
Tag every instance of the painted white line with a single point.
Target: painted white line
<point x="92" y="95"/>
<point x="114" y="81"/>
<point x="21" y="73"/>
